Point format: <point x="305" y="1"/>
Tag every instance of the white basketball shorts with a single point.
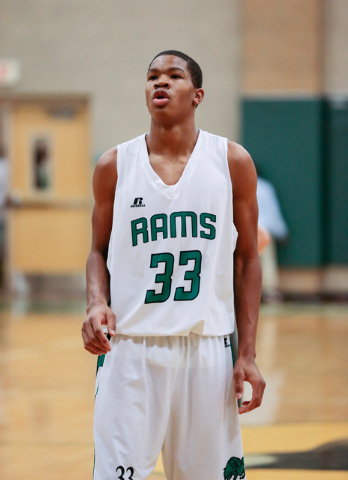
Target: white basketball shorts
<point x="173" y="394"/>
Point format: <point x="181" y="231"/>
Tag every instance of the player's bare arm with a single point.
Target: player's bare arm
<point x="247" y="273"/>
<point x="98" y="294"/>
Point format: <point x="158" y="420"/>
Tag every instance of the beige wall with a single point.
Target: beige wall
<point x="282" y="46"/>
<point x="336" y="46"/>
<point x="295" y="46"/>
<point x="103" y="48"/>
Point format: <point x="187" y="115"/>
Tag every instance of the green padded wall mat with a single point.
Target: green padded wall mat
<point x="336" y="181"/>
<point x="284" y="137"/>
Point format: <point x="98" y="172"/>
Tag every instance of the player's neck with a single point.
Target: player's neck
<point x="174" y="140"/>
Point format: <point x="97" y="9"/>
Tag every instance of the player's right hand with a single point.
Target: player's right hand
<point x="94" y="339"/>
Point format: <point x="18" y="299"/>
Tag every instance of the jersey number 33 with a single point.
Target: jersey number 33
<point x="165" y="278"/>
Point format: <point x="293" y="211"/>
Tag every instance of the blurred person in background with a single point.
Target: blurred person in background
<point x="271" y="222"/>
<point x="263" y="239"/>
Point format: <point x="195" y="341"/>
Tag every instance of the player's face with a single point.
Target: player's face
<point x="170" y="93"/>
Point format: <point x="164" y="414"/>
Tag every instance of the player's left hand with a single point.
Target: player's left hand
<point x="246" y="370"/>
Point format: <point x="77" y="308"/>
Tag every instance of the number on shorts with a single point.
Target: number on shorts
<point x="122" y="469"/>
<point x="121" y="477"/>
<point x="166" y="277"/>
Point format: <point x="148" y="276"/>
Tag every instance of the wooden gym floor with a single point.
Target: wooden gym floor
<point x="47" y="396"/>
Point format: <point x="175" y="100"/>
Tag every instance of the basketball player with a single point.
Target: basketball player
<point x="168" y="206"/>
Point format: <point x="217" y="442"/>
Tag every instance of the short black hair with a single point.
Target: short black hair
<point x="192" y="66"/>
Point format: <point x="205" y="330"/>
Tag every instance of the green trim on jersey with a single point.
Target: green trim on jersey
<point x="100" y="362"/>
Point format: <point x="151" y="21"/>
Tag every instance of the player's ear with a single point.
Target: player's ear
<point x="199" y="95"/>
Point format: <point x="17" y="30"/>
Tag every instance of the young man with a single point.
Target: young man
<point x="164" y="237"/>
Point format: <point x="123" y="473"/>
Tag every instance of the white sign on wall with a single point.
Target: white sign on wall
<point x="9" y="71"/>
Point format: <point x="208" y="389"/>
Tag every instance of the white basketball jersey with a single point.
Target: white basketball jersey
<point x="171" y="248"/>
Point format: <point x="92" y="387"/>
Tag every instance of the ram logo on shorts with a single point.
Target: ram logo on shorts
<point x="234" y="469"/>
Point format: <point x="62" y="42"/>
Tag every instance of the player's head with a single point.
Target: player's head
<point x="174" y="86"/>
<point x="192" y="66"/>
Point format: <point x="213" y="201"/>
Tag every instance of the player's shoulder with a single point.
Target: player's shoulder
<point x="107" y="159"/>
<point x="105" y="173"/>
<point x="242" y="168"/>
<point x="238" y="157"/>
<point x="128" y="153"/>
<point x="212" y="140"/>
<point x="130" y="147"/>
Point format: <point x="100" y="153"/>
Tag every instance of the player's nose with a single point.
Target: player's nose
<point x="162" y="82"/>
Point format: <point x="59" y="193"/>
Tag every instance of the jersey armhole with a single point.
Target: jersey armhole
<point x="235" y="236"/>
<point x="235" y="232"/>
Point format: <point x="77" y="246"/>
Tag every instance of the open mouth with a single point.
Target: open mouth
<point x="161" y="94"/>
<point x="160" y="98"/>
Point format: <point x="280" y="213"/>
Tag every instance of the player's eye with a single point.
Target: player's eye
<point x="175" y="75"/>
<point x="153" y="77"/>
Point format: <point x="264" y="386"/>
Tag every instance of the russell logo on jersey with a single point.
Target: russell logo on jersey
<point x="138" y="202"/>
